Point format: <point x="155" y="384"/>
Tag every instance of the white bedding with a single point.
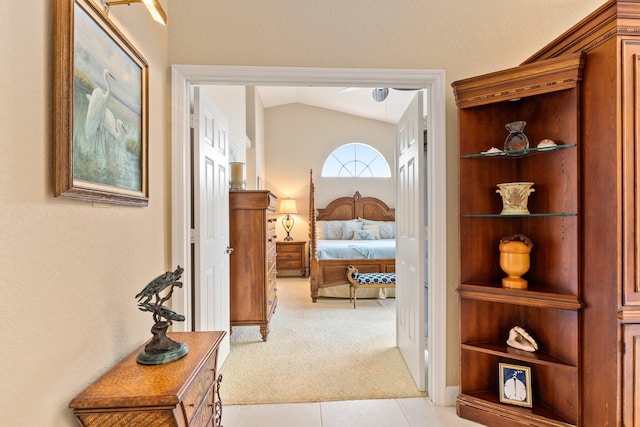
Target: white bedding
<point x="356" y="249"/>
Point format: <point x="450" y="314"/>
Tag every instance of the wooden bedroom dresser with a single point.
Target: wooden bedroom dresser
<point x="252" y="235"/>
<point x="180" y="393"/>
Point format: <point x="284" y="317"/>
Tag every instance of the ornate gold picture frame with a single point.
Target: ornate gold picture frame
<point x="100" y="109"/>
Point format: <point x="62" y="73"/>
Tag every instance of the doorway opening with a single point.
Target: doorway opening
<point x="185" y="76"/>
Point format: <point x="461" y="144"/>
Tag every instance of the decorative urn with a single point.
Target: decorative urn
<point x="515" y="197"/>
<point x="515" y="253"/>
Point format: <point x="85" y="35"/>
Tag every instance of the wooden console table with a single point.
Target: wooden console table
<point x="181" y="393"/>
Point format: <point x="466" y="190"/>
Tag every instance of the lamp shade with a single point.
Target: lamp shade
<point x="153" y="6"/>
<point x="288" y="206"/>
<point x="156" y="11"/>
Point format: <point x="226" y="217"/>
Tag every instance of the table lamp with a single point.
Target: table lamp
<point x="288" y="207"/>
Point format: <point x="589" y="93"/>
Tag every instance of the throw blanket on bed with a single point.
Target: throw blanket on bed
<point x="356" y="249"/>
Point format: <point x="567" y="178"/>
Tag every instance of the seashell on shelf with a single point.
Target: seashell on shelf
<point x="546" y="143"/>
<point x="520" y="339"/>
<point x="492" y="150"/>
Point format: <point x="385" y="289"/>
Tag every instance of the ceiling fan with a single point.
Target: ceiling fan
<point x="379" y="94"/>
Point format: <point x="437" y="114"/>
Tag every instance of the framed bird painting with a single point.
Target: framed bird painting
<point x="100" y="109"/>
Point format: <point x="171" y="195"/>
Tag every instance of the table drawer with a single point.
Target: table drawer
<point x="199" y="387"/>
<point x="204" y="416"/>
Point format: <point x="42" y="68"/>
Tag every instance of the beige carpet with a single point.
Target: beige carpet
<point x="325" y="351"/>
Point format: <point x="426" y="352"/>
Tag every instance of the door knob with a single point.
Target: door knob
<point x="228" y="250"/>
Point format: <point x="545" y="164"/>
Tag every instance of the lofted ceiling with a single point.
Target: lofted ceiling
<point x="357" y="101"/>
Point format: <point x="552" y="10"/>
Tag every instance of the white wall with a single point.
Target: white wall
<point x="256" y="164"/>
<point x="300" y="137"/>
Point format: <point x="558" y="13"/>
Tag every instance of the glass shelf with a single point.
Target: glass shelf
<point x="516" y="216"/>
<point x="517" y="154"/>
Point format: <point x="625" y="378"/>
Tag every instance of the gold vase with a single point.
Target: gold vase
<point x="515" y="261"/>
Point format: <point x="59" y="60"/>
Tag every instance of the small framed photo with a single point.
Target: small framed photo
<point x="515" y="385"/>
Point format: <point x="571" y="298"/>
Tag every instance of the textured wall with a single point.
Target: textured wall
<point x="69" y="269"/>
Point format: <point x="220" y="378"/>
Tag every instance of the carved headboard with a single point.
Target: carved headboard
<point x="356" y="207"/>
<point x="344" y="208"/>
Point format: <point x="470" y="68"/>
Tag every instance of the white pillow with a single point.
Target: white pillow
<point x="387" y="229"/>
<point x="363" y="235"/>
<point x="349" y="227"/>
<point x="374" y="228"/>
<point x="320" y="230"/>
<point x="336" y="230"/>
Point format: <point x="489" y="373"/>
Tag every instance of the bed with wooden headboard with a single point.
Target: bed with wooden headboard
<point x="367" y="240"/>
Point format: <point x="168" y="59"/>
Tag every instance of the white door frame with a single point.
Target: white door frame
<point x="183" y="76"/>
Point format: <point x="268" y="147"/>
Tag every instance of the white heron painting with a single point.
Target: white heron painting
<point x="108" y="108"/>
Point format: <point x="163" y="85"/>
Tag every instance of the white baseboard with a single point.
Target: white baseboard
<point x="451" y="395"/>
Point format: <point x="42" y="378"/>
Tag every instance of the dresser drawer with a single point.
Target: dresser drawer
<point x="285" y="263"/>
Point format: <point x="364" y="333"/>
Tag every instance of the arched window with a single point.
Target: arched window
<point x="355" y="160"/>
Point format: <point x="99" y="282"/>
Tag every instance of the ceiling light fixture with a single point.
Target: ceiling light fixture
<point x="380" y="94"/>
<point x="153" y="6"/>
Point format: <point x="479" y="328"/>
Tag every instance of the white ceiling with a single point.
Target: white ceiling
<point x="356" y="101"/>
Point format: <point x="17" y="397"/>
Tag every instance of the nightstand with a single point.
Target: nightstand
<point x="291" y="256"/>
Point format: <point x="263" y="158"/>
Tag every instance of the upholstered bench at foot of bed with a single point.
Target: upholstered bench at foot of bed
<point x="367" y="280"/>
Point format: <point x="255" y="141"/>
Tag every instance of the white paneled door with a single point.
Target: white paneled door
<point x="410" y="240"/>
<point x="211" y="219"/>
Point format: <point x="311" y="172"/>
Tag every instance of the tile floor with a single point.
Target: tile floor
<point x="413" y="412"/>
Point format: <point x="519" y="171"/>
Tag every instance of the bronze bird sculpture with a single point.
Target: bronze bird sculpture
<point x="159" y="284"/>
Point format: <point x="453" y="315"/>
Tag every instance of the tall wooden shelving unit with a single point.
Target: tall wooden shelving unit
<point x="547" y="96"/>
<point x="583" y="303"/>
